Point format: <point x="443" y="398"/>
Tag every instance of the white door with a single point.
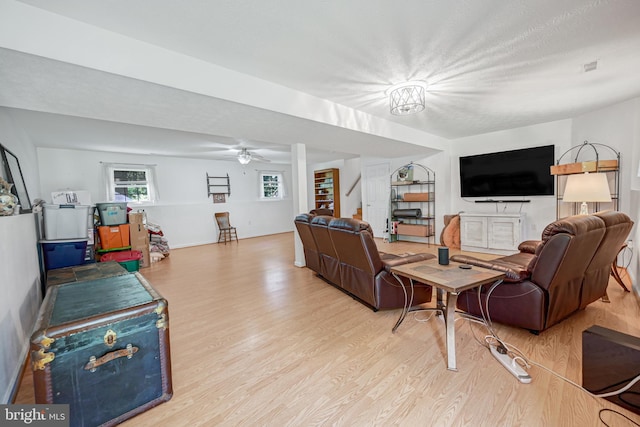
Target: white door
<point x="377" y="203"/>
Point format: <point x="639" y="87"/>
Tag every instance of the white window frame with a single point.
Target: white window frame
<point x="263" y="185"/>
<point x="111" y="184"/>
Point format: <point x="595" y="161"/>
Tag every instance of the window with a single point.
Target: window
<point x="130" y="183"/>
<point x="271" y="186"/>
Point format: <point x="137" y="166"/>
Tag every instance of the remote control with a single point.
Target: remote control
<point x="511" y="365"/>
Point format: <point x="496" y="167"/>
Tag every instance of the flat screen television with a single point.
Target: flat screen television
<point x="523" y="172"/>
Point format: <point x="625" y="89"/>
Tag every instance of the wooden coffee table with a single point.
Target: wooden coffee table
<point x="449" y="279"/>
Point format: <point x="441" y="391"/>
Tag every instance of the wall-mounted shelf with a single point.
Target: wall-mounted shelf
<point x="218" y="185"/>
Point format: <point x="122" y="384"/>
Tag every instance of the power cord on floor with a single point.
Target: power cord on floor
<point x="625" y="264"/>
<point x="423" y="320"/>
<point x="615" y="412"/>
<point x="520" y="357"/>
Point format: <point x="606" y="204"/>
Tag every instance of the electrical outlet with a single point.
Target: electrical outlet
<point x="630" y="244"/>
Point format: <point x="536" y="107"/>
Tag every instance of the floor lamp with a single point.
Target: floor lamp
<point x="587" y="187"/>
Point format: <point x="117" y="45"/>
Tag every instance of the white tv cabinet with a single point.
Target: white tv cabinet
<point x="498" y="233"/>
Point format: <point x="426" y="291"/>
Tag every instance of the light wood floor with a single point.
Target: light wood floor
<point x="256" y="341"/>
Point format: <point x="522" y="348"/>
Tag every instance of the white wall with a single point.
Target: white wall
<point x="635" y="158"/>
<point x="618" y="126"/>
<point x="16" y="140"/>
<point x="633" y="264"/>
<point x="542" y="209"/>
<point x="349" y="175"/>
<point x="634" y="210"/>
<point x="21" y="296"/>
<point x="614" y="126"/>
<point x="184" y="211"/>
<point x="441" y="166"/>
<point x="20" y="282"/>
<point x="438" y="163"/>
<point x="349" y="171"/>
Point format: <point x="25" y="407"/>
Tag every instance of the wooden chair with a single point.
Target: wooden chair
<point x="226" y="231"/>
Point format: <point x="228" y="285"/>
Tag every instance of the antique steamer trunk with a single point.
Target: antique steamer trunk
<point x="82" y="273"/>
<point x="102" y="346"/>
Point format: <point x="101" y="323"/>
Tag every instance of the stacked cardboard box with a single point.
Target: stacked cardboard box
<point x="139" y="237"/>
<point x="420" y="230"/>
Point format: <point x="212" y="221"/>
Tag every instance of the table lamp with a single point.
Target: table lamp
<point x="587" y="187"/>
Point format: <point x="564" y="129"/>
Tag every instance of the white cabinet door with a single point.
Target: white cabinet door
<point x="473" y="231"/>
<point x="504" y="233"/>
<point x="491" y="233"/>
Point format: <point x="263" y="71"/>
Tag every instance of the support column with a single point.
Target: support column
<point x="300" y="196"/>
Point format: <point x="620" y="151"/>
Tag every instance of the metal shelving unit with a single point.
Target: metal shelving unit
<point x="412" y="204"/>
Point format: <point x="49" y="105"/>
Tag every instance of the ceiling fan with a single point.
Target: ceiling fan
<point x="238" y="149"/>
<point x="245" y="156"/>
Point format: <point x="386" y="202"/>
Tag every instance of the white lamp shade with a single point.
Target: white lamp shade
<point x="587" y="187"/>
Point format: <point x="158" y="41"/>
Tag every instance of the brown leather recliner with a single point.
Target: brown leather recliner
<point x="313" y="258"/>
<point x="349" y="260"/>
<point x="311" y="254"/>
<point x="365" y="272"/>
<point x="551" y="279"/>
<point x="617" y="228"/>
<point x="329" y="264"/>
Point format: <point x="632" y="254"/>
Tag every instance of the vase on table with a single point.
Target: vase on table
<point x="8" y="201"/>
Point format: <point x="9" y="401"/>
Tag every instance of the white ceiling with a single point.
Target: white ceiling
<point x="489" y="65"/>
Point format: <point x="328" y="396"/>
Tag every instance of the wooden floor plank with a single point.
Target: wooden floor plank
<point x="258" y="341"/>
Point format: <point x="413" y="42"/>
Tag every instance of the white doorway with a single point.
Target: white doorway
<point x="377" y="202"/>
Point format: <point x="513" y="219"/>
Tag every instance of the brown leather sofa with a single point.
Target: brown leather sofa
<point x="311" y="254"/>
<point x="329" y="262"/>
<point x="343" y="252"/>
<point x="617" y="228"/>
<point x="322" y="211"/>
<point x="550" y="279"/>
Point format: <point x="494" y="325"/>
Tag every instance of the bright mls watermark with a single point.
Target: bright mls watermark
<point x="34" y="415"/>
